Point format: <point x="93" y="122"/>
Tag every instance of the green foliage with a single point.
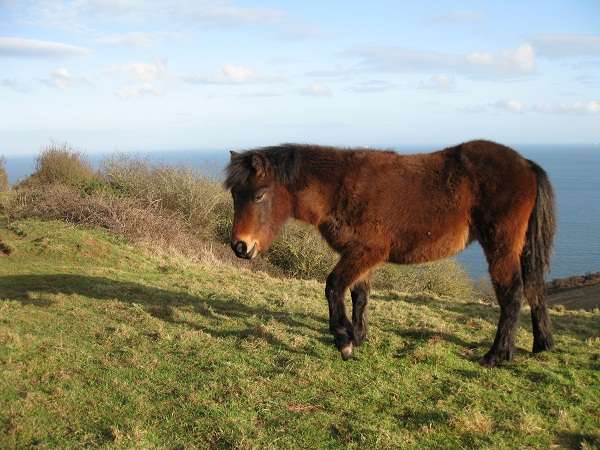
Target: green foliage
<point x="95" y="186"/>
<point x="301" y="253"/>
<point x="103" y="344"/>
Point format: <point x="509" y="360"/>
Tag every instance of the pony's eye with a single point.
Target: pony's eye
<point x="260" y="196"/>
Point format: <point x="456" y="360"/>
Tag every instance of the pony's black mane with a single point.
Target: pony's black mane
<point x="283" y="160"/>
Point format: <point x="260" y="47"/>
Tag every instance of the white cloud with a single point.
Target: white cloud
<point x="63" y="79"/>
<point x="516" y="106"/>
<point x="576" y="108"/>
<point x="440" y="83"/>
<point x="316" y="90"/>
<point x="143" y="72"/>
<point x="370" y="86"/>
<point x="509" y="105"/>
<point x="232" y="74"/>
<point x="459" y="17"/>
<point x="33" y="48"/>
<point x="75" y="13"/>
<point x="237" y="74"/>
<point x="136" y="39"/>
<point x="147" y="78"/>
<point x="519" y="61"/>
<point x="567" y="45"/>
<point x="127" y="92"/>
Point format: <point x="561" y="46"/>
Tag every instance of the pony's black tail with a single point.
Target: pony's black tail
<point x="535" y="259"/>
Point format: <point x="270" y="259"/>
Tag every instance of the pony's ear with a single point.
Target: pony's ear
<point x="259" y="164"/>
<point x="233" y="155"/>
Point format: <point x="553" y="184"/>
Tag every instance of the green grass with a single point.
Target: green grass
<point x="104" y="345"/>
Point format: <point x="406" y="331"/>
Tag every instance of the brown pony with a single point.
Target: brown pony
<point x="378" y="206"/>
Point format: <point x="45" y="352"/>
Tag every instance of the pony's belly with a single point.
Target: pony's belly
<point x="427" y="248"/>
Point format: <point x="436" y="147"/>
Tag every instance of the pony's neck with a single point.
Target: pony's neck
<point x="317" y="179"/>
<point x="313" y="202"/>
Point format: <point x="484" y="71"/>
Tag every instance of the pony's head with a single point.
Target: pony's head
<point x="259" y="181"/>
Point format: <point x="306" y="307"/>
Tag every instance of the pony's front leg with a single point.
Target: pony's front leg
<point x="353" y="264"/>
<point x="360" y="300"/>
<point x="339" y="325"/>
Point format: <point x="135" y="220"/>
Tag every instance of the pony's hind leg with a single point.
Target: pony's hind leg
<point x="360" y="300"/>
<point x="540" y="322"/>
<point x="506" y="277"/>
<point x="354" y="263"/>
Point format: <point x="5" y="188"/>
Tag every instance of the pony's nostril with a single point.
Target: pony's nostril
<point x="240" y="248"/>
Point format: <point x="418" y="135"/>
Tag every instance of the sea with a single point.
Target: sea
<point x="574" y="172"/>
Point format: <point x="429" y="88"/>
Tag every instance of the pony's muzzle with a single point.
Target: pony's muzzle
<point x="241" y="250"/>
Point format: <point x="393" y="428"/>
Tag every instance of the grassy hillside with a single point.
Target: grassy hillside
<point x="104" y="344"/>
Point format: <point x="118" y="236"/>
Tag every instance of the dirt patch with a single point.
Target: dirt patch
<point x="582" y="297"/>
<point x="5" y="250"/>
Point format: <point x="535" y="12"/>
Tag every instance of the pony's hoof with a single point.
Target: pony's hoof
<point x="358" y="339"/>
<point x="541" y="345"/>
<point x="494" y="359"/>
<point x="346" y="351"/>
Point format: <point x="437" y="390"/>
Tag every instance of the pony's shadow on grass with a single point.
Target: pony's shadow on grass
<point x="415" y="337"/>
<point x="579" y="440"/>
<point x="470" y="350"/>
<point x="160" y="303"/>
<point x="580" y="326"/>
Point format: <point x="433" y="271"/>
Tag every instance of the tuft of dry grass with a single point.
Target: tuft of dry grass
<point x="473" y="422"/>
<point x="530" y="424"/>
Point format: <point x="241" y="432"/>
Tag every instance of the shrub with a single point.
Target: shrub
<point x="3" y="176"/>
<point x="121" y="216"/>
<point x="197" y="199"/>
<point x="300" y="252"/>
<point x="150" y="225"/>
<point x="60" y="164"/>
<point x="446" y="277"/>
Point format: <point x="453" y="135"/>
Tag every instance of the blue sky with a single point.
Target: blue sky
<point x="126" y="75"/>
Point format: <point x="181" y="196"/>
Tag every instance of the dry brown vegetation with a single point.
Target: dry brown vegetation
<point x="60" y="163"/>
<point x="177" y="208"/>
<point x="201" y="203"/>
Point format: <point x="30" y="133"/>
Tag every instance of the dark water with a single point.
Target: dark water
<point x="574" y="172"/>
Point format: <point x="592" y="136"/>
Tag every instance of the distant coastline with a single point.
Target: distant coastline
<point x="576" y="292"/>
